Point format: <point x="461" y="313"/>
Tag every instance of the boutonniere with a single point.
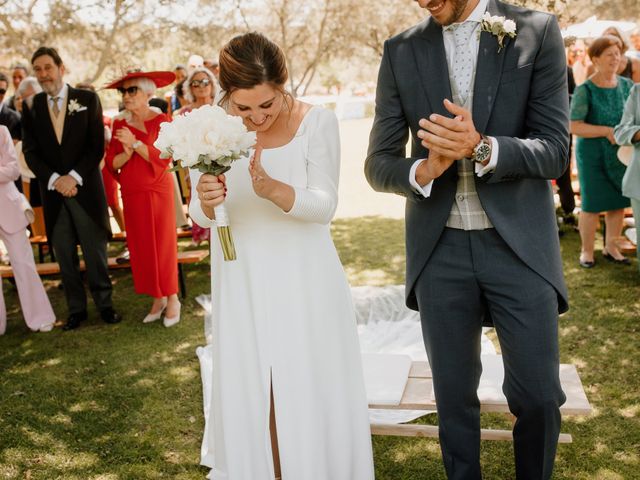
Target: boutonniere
<point x="74" y="107"/>
<point x="499" y="27"/>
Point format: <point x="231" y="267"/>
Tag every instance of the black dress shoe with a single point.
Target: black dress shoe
<point x="109" y="315"/>
<point x="611" y="258"/>
<point x="74" y="320"/>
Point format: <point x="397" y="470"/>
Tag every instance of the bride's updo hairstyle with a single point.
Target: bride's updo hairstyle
<point x="249" y="60"/>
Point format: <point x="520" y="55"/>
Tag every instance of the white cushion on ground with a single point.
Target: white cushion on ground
<point x="490" y="388"/>
<point x="632" y="235"/>
<point x="385" y="377"/>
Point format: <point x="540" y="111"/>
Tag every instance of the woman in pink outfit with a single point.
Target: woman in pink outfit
<point x="34" y="302"/>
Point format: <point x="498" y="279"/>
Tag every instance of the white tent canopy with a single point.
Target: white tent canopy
<point x="592" y="28"/>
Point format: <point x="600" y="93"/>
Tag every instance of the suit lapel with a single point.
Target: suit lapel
<point x="488" y="72"/>
<point x="67" y="118"/>
<point x="41" y="107"/>
<point x="431" y="62"/>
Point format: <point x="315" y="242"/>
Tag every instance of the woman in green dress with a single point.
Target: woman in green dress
<point x="596" y="107"/>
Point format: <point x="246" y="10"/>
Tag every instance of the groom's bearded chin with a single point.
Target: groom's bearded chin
<point x="439" y="7"/>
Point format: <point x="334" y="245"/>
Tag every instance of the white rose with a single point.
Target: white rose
<point x="509" y="26"/>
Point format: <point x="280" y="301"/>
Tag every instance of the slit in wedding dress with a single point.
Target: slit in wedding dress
<point x="274" y="433"/>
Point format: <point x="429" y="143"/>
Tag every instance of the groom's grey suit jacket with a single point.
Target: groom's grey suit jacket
<point x="520" y="97"/>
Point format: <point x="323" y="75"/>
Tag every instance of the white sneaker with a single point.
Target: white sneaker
<point x="152" y="317"/>
<point x="171" y="321"/>
<point x="46" y="328"/>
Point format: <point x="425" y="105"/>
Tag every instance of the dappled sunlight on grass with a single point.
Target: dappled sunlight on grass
<point x="184" y="374"/>
<point x="23" y="369"/>
<point x="630" y="411"/>
<point x="89" y="406"/>
<point x="55" y="456"/>
<point x="52" y="362"/>
<point x="605" y="474"/>
<point x="61" y="419"/>
<point x="9" y="471"/>
<point x="184" y="346"/>
<point x="145" y="383"/>
<point x="124" y="402"/>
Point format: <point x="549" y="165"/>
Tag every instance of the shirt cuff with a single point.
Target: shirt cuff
<point x="493" y="161"/>
<point x="424" y="191"/>
<point x="77" y="176"/>
<point x="52" y="180"/>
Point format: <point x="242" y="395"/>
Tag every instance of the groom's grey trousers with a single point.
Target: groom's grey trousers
<point x="468" y="273"/>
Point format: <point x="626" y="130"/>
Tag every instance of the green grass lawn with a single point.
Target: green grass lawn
<point x="124" y="401"/>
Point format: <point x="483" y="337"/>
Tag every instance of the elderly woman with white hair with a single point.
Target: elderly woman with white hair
<point x="199" y="89"/>
<point x="147" y="193"/>
<point x="25" y="92"/>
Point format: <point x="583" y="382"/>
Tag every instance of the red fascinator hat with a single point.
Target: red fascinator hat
<point x="160" y="78"/>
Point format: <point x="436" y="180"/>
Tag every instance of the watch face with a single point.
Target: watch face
<point x="483" y="152"/>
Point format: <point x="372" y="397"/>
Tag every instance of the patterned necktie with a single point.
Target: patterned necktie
<point x="54" y="108"/>
<point x="463" y="59"/>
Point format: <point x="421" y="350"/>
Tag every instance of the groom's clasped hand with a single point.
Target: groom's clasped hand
<point x="447" y="139"/>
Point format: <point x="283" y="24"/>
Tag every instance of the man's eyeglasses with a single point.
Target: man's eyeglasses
<point x="205" y="82"/>
<point x="130" y="90"/>
<point x="3" y="91"/>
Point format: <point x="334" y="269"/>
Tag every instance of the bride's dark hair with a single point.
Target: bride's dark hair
<point x="249" y="60"/>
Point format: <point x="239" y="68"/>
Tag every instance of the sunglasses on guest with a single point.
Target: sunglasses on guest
<point x="130" y="90"/>
<point x="205" y="82"/>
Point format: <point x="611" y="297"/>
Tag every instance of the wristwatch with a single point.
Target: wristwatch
<point x="136" y="144"/>
<point x="482" y="151"/>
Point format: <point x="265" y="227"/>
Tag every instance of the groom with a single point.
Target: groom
<point x="63" y="143"/>
<point x="489" y="129"/>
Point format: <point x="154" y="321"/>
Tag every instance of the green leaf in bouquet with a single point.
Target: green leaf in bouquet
<point x="212" y="169"/>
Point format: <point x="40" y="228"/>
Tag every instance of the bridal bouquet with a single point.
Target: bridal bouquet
<point x="209" y="140"/>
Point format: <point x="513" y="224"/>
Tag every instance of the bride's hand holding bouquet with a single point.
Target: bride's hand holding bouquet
<point x="211" y="193"/>
<point x="209" y="140"/>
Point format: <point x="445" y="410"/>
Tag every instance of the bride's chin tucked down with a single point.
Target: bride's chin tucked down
<point x="258" y="125"/>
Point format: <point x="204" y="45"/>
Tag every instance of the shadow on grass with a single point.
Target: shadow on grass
<point x="119" y="401"/>
<point x="124" y="402"/>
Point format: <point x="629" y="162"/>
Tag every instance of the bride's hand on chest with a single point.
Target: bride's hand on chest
<point x="261" y="182"/>
<point x="267" y="187"/>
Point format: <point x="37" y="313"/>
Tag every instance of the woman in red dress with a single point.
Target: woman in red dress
<point x="147" y="194"/>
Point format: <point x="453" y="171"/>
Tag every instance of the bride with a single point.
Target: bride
<point x="288" y="398"/>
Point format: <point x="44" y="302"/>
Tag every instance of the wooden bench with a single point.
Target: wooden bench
<point x="625" y="245"/>
<point x="41" y="240"/>
<point x="418" y="395"/>
<point x="52" y="268"/>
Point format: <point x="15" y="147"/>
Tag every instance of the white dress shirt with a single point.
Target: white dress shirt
<point x="450" y="47"/>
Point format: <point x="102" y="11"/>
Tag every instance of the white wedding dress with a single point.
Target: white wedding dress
<point x="282" y="315"/>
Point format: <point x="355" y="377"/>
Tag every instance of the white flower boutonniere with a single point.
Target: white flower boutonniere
<point x="499" y="27"/>
<point x="74" y="107"/>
